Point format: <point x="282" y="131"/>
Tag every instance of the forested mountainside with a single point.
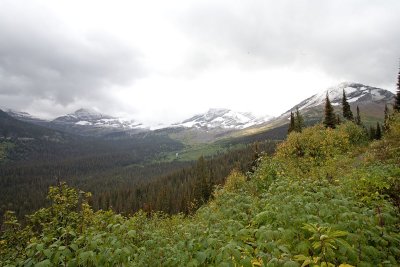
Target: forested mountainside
<point x="328" y="197"/>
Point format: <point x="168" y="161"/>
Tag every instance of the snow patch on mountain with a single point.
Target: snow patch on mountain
<point x="223" y="118"/>
<point x="355" y="92"/>
<point x="83" y="123"/>
<point x="92" y="118"/>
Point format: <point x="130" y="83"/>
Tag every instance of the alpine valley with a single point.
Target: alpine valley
<point x="112" y="156"/>
<point x="223" y="188"/>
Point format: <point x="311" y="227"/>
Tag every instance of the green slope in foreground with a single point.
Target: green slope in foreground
<point x="327" y="198"/>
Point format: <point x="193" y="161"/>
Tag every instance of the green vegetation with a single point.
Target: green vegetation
<point x="5" y="147"/>
<point x="328" y="197"/>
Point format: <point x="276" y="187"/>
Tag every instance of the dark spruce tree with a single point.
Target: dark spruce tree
<point x="372" y="132"/>
<point x="396" y="106"/>
<point x="203" y="188"/>
<point x="378" y="132"/>
<point x="347" y="114"/>
<point x="338" y="120"/>
<point x="386" y="119"/>
<point x="358" y="117"/>
<point x="298" y="122"/>
<point x="291" y="125"/>
<point x="330" y="118"/>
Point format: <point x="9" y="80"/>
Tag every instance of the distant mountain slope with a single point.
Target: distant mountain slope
<point x="24" y="116"/>
<point x="13" y="128"/>
<point x="212" y="125"/>
<point x="356" y="93"/>
<point x="371" y="101"/>
<point x="92" y="123"/>
<point x="224" y="119"/>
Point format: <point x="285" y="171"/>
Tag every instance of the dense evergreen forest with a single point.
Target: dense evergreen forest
<point x="30" y="165"/>
<point x="328" y="197"/>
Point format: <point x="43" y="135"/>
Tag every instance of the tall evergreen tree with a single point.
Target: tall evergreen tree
<point x="347" y="114"/>
<point x="291" y="124"/>
<point x="372" y="132"/>
<point x="396" y="106"/>
<point x="256" y="156"/>
<point x="338" y="120"/>
<point x="378" y="132"/>
<point x="202" y="188"/>
<point x="386" y="119"/>
<point x="298" y="122"/>
<point x="330" y="118"/>
<point x="358" y="117"/>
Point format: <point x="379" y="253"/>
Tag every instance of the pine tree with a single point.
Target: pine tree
<point x="396" y="106"/>
<point x="347" y="114"/>
<point x="386" y="119"/>
<point x="372" y="132"/>
<point x="378" y="132"/>
<point x="358" y="117"/>
<point x="338" y="120"/>
<point x="298" y="122"/>
<point x="202" y="189"/>
<point x="330" y="118"/>
<point x="291" y="125"/>
<point x="256" y="156"/>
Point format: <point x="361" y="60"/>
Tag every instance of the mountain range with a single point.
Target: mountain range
<point x="89" y="122"/>
<point x="216" y="123"/>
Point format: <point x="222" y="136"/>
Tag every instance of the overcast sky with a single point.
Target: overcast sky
<point x="163" y="61"/>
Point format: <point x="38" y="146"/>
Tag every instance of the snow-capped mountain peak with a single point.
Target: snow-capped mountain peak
<point x="82" y="114"/>
<point x="91" y="118"/>
<point x="355" y="92"/>
<point x="222" y="118"/>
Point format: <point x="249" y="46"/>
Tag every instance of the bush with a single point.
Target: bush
<point x="356" y="134"/>
<point x="234" y="181"/>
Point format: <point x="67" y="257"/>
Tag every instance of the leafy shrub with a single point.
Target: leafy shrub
<point x="356" y="134"/>
<point x="234" y="181"/>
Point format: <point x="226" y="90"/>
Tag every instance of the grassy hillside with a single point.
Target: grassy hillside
<point x="327" y="198"/>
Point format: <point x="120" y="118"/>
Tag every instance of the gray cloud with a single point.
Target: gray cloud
<point x="51" y="63"/>
<point x="352" y="40"/>
<point x="41" y="59"/>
